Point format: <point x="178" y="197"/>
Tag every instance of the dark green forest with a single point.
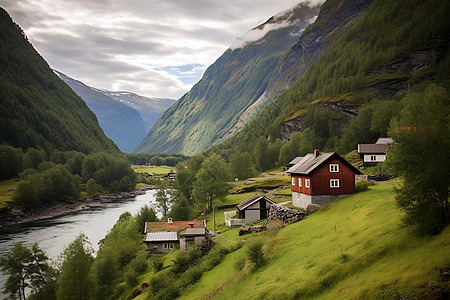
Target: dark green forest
<point x="37" y="109"/>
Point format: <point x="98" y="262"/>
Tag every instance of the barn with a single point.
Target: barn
<point x="320" y="178"/>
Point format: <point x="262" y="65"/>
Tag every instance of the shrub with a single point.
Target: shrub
<point x="157" y="262"/>
<point x="361" y="186"/>
<point x="255" y="254"/>
<point x="239" y="264"/>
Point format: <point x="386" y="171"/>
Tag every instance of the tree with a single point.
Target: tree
<point x="91" y="186"/>
<point x="146" y="214"/>
<point x="163" y="201"/>
<point x="77" y="258"/>
<point x="26" y="268"/>
<point x="421" y="157"/>
<point x="211" y="181"/>
<point x="241" y="165"/>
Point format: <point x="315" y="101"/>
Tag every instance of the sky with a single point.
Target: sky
<point x="149" y="47"/>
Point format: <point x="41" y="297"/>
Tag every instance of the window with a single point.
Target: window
<point x="373" y="158"/>
<point x="300" y="182"/>
<point x="334" y="168"/>
<point x="293" y="180"/>
<point x="307" y="183"/>
<point x="166" y="246"/>
<point x="334" y="183"/>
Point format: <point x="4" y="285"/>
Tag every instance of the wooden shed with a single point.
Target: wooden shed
<point x="254" y="208"/>
<point x="320" y="178"/>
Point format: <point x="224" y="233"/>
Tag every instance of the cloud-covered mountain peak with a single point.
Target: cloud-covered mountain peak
<point x="281" y="20"/>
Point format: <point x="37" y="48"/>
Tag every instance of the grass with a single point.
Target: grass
<point x="152" y="169"/>
<point x="7" y="188"/>
<point x="353" y="248"/>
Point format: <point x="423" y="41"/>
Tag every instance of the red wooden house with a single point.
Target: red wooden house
<point x="319" y="178"/>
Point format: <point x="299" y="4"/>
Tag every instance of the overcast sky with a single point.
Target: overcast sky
<point x="156" y="48"/>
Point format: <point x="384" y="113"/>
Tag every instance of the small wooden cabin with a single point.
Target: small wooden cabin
<point x="372" y="154"/>
<point x="320" y="178"/>
<point x="161" y="241"/>
<point x="254" y="208"/>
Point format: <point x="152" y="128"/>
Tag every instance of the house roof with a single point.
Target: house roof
<point x="195" y="231"/>
<point x="294" y="161"/>
<point x="161" y="236"/>
<point x="312" y="160"/>
<point x="372" y="148"/>
<point x="252" y="199"/>
<point x="385" y="141"/>
<point x="172" y="226"/>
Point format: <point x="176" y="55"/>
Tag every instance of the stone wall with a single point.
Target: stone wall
<point x="284" y="215"/>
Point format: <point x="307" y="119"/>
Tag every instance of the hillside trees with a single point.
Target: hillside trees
<point x="77" y="258"/>
<point x="421" y="156"/>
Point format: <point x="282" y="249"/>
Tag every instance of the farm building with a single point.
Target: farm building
<point x="319" y="178"/>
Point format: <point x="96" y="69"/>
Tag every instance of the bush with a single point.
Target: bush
<point x="157" y="262"/>
<point x="239" y="264"/>
<point x="255" y="254"/>
<point x="361" y="186"/>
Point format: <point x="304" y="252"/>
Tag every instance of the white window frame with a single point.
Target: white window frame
<point x="300" y="182"/>
<point x="334" y="168"/>
<point x="334" y="183"/>
<point x="293" y="181"/>
<point x="165" y="245"/>
<point x="307" y="183"/>
<point x="373" y="158"/>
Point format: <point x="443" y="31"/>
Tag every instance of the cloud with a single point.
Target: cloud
<point x="153" y="48"/>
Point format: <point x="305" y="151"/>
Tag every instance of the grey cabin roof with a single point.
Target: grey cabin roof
<point x="372" y="148"/>
<point x="161" y="236"/>
<point x="252" y="199"/>
<point x="313" y="160"/>
<point x="195" y="231"/>
<point x="385" y="141"/>
<point x="294" y="161"/>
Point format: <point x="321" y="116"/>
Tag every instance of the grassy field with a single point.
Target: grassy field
<point x="151" y="169"/>
<point x="354" y="248"/>
<point x="7" y="188"/>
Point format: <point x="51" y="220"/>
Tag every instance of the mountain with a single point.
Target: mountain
<point x="353" y="90"/>
<point x="120" y="122"/>
<point x="37" y="109"/>
<point x="205" y="114"/>
<point x="150" y="109"/>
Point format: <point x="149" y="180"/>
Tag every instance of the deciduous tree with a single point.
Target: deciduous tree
<point x="421" y="156"/>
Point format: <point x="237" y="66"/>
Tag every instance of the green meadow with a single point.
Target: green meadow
<point x="158" y="170"/>
<point x="7" y="188"/>
<point x="354" y="248"/>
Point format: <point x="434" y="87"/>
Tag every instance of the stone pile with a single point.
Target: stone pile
<point x="249" y="229"/>
<point x="379" y="177"/>
<point x="284" y="215"/>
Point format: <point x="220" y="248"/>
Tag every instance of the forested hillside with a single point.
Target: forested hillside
<point x="352" y="92"/>
<point x="37" y="109"/>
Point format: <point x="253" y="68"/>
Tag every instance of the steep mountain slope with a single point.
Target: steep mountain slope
<point x="37" y="109"/>
<point x="234" y="82"/>
<point x="120" y="122"/>
<point x="332" y="21"/>
<point x="373" y="62"/>
<point x="150" y="109"/>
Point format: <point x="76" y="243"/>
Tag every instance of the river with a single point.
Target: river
<point x="53" y="235"/>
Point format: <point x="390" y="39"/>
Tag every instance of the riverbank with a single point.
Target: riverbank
<point x="54" y="209"/>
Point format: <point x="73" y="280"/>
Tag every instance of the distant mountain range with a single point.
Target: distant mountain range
<point x="120" y="114"/>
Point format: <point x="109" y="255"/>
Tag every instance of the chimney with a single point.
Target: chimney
<point x="316" y="153"/>
<point x="169" y="220"/>
<point x="191" y="225"/>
